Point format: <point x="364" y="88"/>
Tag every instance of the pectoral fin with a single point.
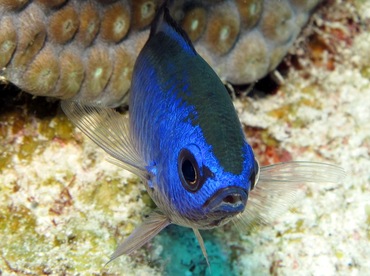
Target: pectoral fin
<point x="279" y="186"/>
<point x="150" y="227"/>
<point x="109" y="130"/>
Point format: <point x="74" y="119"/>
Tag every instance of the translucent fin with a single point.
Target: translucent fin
<point x="201" y="243"/>
<point x="109" y="130"/>
<point x="301" y="171"/>
<point x="151" y="226"/>
<point x="278" y="187"/>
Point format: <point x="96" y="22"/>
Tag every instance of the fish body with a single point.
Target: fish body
<point x="184" y="139"/>
<point x="179" y="104"/>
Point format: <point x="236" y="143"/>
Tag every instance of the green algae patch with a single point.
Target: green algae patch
<point x="298" y="228"/>
<point x="107" y="192"/>
<point x="58" y="127"/>
<point x="367" y="212"/>
<point x="17" y="218"/>
<point x="5" y="158"/>
<point x="290" y="113"/>
<point x="62" y="210"/>
<point x="28" y="148"/>
<point x="20" y="243"/>
<point x="365" y="72"/>
<point x="147" y="200"/>
<point x="339" y="254"/>
<point x="26" y="135"/>
<point x="16" y="139"/>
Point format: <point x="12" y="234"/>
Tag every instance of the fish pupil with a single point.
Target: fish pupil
<point x="188" y="172"/>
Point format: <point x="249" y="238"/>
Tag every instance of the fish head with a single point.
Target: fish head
<point x="198" y="192"/>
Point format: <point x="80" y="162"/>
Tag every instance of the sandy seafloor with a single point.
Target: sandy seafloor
<point x="63" y="208"/>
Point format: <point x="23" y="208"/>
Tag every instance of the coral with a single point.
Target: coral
<point x="89" y="24"/>
<point x="115" y="22"/>
<point x="63" y="25"/>
<point x="248" y="55"/>
<point x="98" y="72"/>
<point x="277" y="21"/>
<point x="121" y="76"/>
<point x="13" y="5"/>
<point x="8" y="40"/>
<point x="194" y="22"/>
<point x="250" y="12"/>
<point x="71" y="75"/>
<point x="51" y="3"/>
<point x="43" y="72"/>
<point x="31" y="37"/>
<point x="143" y="12"/>
<point x="221" y="31"/>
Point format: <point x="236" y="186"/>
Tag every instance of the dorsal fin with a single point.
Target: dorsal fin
<point x="163" y="22"/>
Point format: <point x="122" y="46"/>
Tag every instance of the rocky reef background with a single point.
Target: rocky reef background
<point x="63" y="208"/>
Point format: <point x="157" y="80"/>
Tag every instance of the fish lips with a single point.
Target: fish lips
<point x="227" y="201"/>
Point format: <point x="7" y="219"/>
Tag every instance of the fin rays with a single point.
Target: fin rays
<point x="279" y="186"/>
<point x="151" y="226"/>
<point x="201" y="243"/>
<point x="110" y="131"/>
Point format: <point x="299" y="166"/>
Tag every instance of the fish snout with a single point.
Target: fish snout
<point x="230" y="200"/>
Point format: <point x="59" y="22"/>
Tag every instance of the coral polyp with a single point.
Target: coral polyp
<point x="89" y="24"/>
<point x="71" y="75"/>
<point x="63" y="25"/>
<point x="250" y="12"/>
<point x="277" y="22"/>
<point x="13" y="5"/>
<point x="115" y="23"/>
<point x="8" y="40"/>
<point x="143" y="12"/>
<point x="223" y="29"/>
<point x="194" y="22"/>
<point x="43" y="72"/>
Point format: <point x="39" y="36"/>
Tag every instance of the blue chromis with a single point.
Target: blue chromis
<point x="183" y="138"/>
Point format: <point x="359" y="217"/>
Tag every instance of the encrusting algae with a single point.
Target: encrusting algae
<point x="47" y="193"/>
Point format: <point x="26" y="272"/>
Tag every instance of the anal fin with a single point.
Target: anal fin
<point x="151" y="226"/>
<point x="202" y="247"/>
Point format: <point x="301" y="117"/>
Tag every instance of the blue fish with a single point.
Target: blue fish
<point x="183" y="138"/>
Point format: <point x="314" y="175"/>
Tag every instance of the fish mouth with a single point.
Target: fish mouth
<point x="230" y="200"/>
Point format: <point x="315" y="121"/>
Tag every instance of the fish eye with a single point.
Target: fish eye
<point x="189" y="171"/>
<point x="255" y="174"/>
